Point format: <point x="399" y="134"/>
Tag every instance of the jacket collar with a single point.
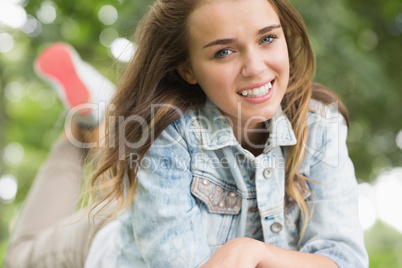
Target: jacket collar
<point x="281" y="131"/>
<point x="213" y="131"/>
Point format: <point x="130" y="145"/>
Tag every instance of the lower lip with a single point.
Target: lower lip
<point x="261" y="99"/>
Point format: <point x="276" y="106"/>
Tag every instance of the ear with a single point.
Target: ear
<point x="186" y="73"/>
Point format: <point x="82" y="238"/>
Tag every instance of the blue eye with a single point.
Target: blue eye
<point x="268" y="39"/>
<point x="223" y="53"/>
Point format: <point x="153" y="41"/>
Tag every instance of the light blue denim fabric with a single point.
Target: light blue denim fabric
<point x="198" y="188"/>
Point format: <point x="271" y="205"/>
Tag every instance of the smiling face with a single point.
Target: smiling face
<point x="238" y="55"/>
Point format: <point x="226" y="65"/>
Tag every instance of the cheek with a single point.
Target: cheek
<point x="278" y="57"/>
<point x="280" y="62"/>
<point x="214" y="76"/>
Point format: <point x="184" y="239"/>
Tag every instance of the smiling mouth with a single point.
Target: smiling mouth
<point x="256" y="92"/>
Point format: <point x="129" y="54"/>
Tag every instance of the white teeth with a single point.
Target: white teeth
<point x="257" y="92"/>
<point x="262" y="91"/>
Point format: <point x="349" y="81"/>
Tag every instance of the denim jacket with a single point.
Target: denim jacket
<point x="198" y="188"/>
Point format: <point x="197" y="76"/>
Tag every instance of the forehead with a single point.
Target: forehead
<point x="229" y="18"/>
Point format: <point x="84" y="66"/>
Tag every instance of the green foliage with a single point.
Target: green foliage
<point x="384" y="249"/>
<point x="360" y="60"/>
<point x="359" y="55"/>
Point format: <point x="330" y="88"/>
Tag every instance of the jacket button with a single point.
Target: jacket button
<point x="232" y="194"/>
<point x="276" y="227"/>
<point x="205" y="182"/>
<point x="268" y="172"/>
<point x="221" y="204"/>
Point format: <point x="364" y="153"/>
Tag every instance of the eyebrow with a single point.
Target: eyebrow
<point x="232" y="40"/>
<point x="268" y="29"/>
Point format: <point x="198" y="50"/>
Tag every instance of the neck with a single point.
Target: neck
<point x="252" y="138"/>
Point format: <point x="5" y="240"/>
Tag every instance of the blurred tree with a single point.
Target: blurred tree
<point x="2" y="114"/>
<point x="358" y="48"/>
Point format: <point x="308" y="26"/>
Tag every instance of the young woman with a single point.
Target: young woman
<point x="224" y="152"/>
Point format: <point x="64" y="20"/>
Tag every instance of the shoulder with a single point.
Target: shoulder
<point x="326" y="125"/>
<point x="319" y="109"/>
<point x="184" y="120"/>
<point x="326" y="102"/>
<point x="325" y="107"/>
<point x="321" y="115"/>
<point x="179" y="131"/>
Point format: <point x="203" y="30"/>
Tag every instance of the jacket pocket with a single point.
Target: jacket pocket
<point x="217" y="199"/>
<point x="219" y="206"/>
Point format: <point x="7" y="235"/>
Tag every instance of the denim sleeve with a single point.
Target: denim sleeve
<point x="165" y="218"/>
<point x="334" y="230"/>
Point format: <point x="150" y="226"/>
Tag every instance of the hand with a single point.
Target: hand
<point x="240" y="252"/>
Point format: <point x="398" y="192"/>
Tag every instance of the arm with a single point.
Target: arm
<point x="165" y="218"/>
<point x="249" y="253"/>
<point x="279" y="257"/>
<point x="334" y="231"/>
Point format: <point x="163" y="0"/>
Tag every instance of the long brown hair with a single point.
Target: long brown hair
<point x="162" y="40"/>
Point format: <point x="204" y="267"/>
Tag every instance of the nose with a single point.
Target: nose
<point x="253" y="64"/>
